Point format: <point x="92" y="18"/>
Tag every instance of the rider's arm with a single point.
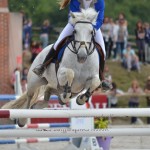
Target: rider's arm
<point x="74" y="6"/>
<point x="100" y="7"/>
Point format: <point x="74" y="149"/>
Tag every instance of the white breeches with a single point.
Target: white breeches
<point x="68" y="30"/>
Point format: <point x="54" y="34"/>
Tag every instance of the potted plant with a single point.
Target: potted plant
<point x="102" y="123"/>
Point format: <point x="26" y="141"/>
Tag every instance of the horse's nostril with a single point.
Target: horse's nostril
<point x="81" y="59"/>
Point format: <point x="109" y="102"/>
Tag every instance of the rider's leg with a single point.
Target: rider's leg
<point x="99" y="39"/>
<point x="67" y="31"/>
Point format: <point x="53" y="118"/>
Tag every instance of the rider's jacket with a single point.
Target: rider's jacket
<point x="98" y="5"/>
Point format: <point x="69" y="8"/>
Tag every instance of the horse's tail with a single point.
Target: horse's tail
<point x="16" y="104"/>
<point x="22" y="100"/>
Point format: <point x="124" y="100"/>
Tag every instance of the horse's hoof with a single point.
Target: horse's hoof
<point x="60" y="101"/>
<point x="19" y="123"/>
<point x="80" y="101"/>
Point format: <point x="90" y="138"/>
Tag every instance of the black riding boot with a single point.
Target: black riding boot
<point x="48" y="59"/>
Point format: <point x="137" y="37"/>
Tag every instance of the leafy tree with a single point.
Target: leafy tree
<point x="39" y="10"/>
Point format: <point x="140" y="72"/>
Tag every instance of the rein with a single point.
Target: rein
<point x="73" y="43"/>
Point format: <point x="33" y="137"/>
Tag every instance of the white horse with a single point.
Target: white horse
<point x="78" y="69"/>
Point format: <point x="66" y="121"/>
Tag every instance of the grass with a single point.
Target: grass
<point x="123" y="78"/>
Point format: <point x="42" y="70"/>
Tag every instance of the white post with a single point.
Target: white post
<point x="18" y="89"/>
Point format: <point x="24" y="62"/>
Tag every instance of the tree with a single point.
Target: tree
<point x="39" y="10"/>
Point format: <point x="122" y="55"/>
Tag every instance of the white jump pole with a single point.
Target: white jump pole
<point x="36" y="113"/>
<point x="76" y="132"/>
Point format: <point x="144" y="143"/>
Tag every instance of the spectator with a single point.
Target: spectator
<point x="36" y="48"/>
<point x="24" y="84"/>
<point x="130" y="59"/>
<point x="125" y="24"/>
<point x="147" y="91"/>
<point x="140" y="40"/>
<point x="115" y="37"/>
<point x="26" y="43"/>
<point x="112" y="95"/>
<point x="24" y="30"/>
<point x="45" y="30"/>
<point x="25" y="72"/>
<point x="122" y="35"/>
<point x="106" y="29"/>
<point x="29" y="29"/>
<point x="134" y="90"/>
<point x="27" y="34"/>
<point x="147" y="42"/>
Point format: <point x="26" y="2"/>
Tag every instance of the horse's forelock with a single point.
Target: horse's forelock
<point x="85" y="15"/>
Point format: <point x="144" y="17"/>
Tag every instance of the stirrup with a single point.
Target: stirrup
<point x="39" y="70"/>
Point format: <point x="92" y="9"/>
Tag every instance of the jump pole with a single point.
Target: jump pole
<point x="107" y="112"/>
<point x="75" y="132"/>
<point x="35" y="126"/>
<point x="33" y="140"/>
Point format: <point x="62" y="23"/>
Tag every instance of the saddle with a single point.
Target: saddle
<point x="63" y="44"/>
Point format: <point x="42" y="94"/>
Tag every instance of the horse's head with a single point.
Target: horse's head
<point x="84" y="33"/>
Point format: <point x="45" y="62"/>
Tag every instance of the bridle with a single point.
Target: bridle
<point x="81" y="43"/>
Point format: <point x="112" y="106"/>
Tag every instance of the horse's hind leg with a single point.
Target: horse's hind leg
<point x="30" y="93"/>
<point x="91" y="86"/>
<point x="22" y="121"/>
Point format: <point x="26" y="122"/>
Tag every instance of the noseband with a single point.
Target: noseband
<point x="83" y="43"/>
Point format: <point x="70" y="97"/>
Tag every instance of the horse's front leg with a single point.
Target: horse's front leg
<point x="65" y="79"/>
<point x="92" y="85"/>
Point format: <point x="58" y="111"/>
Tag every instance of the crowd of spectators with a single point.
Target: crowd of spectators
<point x="133" y="93"/>
<point x="32" y="43"/>
<point x="115" y="34"/>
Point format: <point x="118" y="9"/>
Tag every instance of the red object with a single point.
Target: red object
<point x="99" y="101"/>
<point x="87" y="105"/>
<point x="54" y="104"/>
<point x="32" y="126"/>
<point x="4" y="114"/>
<point x="32" y="140"/>
<point x="49" y="120"/>
<point x="19" y="59"/>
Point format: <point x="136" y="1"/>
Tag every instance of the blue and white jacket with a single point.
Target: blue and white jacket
<point x="99" y="5"/>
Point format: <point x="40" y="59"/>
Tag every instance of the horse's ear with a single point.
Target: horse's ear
<point x="94" y="18"/>
<point x="72" y="15"/>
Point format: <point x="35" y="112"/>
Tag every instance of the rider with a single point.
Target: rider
<point x="76" y="6"/>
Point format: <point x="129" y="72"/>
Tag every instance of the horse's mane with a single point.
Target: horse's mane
<point x="85" y="15"/>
